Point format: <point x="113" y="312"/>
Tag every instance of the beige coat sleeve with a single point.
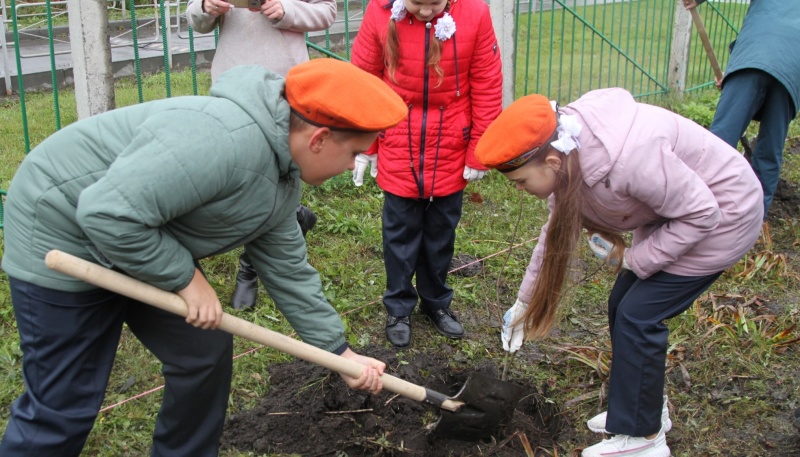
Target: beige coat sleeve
<point x="307" y="15"/>
<point x="198" y="19"/>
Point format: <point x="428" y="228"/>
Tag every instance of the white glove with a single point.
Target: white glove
<point x="602" y="248"/>
<point x="513" y="335"/>
<point x="471" y="174"/>
<point x="362" y="160"/>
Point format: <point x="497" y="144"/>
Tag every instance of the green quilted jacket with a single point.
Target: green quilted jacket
<point x="150" y="188"/>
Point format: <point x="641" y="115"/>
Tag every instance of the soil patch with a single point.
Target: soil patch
<point x="310" y="411"/>
<point x="466" y="265"/>
<point x="785" y="201"/>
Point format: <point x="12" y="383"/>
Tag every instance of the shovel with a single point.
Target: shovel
<point x="482" y="408"/>
<point x="718" y="75"/>
<point x="703" y="34"/>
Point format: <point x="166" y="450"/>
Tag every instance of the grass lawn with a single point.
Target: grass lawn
<point x="733" y="374"/>
<point x="733" y="371"/>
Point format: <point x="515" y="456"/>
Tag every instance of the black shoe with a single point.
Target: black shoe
<point x="306" y="218"/>
<point x="244" y="293"/>
<point x="445" y="322"/>
<point x="398" y="331"/>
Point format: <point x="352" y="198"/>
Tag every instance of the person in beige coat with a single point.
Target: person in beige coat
<point x="272" y="37"/>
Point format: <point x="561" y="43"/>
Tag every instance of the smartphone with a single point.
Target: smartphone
<point x="250" y="4"/>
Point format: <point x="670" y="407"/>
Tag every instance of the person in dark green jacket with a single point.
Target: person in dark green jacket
<point x="149" y="190"/>
<point x="762" y="82"/>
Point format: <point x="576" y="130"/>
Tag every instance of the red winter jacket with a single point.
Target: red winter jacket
<point x="424" y="156"/>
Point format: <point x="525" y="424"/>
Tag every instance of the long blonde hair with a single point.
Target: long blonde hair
<point x="563" y="234"/>
<point x="392" y="52"/>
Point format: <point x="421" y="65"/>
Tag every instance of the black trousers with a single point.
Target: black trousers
<point x="419" y="237"/>
<point x="637" y="309"/>
<point x="69" y="341"/>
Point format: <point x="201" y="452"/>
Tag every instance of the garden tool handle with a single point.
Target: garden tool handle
<point x="106" y="278"/>
<point x="701" y="32"/>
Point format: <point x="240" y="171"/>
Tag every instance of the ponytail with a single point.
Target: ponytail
<point x="391" y="49"/>
<point x="562" y="237"/>
<point x="566" y="224"/>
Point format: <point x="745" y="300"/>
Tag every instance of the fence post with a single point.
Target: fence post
<point x="91" y="56"/>
<point x="679" y="54"/>
<point x="4" y="47"/>
<point x="503" y="21"/>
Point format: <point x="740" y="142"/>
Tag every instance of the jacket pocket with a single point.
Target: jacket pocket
<point x="462" y="120"/>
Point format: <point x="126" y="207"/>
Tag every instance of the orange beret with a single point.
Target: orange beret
<point x="517" y="133"/>
<point x="336" y="94"/>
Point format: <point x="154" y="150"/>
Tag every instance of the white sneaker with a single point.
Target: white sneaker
<point x="597" y="424"/>
<point x="630" y="446"/>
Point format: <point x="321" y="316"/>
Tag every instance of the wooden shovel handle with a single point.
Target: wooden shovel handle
<point x="100" y="276"/>
<point x="701" y="31"/>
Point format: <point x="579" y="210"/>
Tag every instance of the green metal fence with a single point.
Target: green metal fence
<point x="562" y="48"/>
<point x="565" y="48"/>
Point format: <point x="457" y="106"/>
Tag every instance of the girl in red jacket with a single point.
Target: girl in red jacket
<point x="442" y="58"/>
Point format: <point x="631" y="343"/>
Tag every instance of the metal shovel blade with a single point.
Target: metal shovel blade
<point x="489" y="406"/>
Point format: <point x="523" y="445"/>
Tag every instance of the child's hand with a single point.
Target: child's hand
<point x="362" y="161"/>
<point x="471" y="174"/>
<point x="513" y="334"/>
<point x="216" y="7"/>
<point x="273" y="9"/>
<point x="370" y="379"/>
<point x="205" y="310"/>
<point x="602" y="248"/>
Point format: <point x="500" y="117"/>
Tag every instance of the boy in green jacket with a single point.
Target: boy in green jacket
<point x="150" y="189"/>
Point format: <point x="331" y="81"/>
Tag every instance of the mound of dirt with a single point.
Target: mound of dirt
<point x="310" y="411"/>
<point x="466" y="265"/>
<point x="785" y="201"/>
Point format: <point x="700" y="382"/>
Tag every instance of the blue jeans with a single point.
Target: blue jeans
<point x="69" y="341"/>
<point x="754" y="94"/>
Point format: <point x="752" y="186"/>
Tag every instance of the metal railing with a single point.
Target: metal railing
<point x="562" y="48"/>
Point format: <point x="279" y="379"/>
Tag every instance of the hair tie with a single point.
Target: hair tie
<point x="568" y="130"/>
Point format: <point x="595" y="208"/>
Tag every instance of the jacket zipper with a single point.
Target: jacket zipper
<point x="424" y="114"/>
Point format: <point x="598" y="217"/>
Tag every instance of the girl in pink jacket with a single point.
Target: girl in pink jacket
<point x="441" y="57"/>
<point x="610" y="165"/>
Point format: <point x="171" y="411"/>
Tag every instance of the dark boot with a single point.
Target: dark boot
<point x="306" y="218"/>
<point x="797" y="418"/>
<point x="244" y="293"/>
<point x="445" y="322"/>
<point x="246" y="289"/>
<point x="398" y="331"/>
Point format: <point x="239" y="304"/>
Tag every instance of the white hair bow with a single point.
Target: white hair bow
<point x="398" y="10"/>
<point x="568" y="130"/>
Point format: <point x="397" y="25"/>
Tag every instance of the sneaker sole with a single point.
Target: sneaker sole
<point x="663" y="452"/>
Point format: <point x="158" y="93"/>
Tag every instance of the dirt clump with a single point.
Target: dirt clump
<point x="310" y="411"/>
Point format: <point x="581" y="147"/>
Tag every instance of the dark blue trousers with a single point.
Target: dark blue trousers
<point x="419" y="237"/>
<point x="749" y="94"/>
<point x="637" y="309"/>
<point x="69" y="341"/>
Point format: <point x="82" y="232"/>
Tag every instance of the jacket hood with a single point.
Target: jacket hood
<point x="607" y="116"/>
<point x="259" y="92"/>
